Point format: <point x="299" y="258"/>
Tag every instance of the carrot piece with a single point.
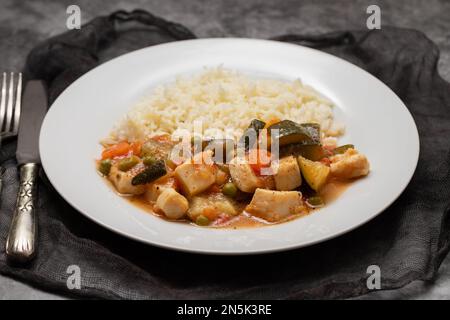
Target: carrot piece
<point x="271" y="122"/>
<point x="210" y="212"/>
<point x="136" y="147"/>
<point x="117" y="150"/>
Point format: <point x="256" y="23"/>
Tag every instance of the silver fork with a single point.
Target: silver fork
<point x="10" y="107"/>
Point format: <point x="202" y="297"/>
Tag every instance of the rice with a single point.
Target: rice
<point x="224" y="101"/>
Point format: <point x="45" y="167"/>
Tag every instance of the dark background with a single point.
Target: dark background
<point x="25" y="23"/>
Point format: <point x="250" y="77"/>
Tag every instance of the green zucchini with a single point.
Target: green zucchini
<point x="311" y="152"/>
<point x="342" y="149"/>
<point x="288" y="132"/>
<point x="151" y="173"/>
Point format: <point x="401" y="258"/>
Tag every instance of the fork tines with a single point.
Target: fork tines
<point x="10" y="103"/>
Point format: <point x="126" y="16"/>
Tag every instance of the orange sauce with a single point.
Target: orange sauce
<point x="329" y="193"/>
<point x="333" y="189"/>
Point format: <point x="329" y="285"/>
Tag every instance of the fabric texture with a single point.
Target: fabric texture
<point x="408" y="241"/>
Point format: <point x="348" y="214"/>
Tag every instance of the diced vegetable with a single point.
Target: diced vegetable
<point x="272" y="122"/>
<point x="291" y="132"/>
<point x="221" y="177"/>
<point x="202" y="220"/>
<point x="173" y="204"/>
<point x="257" y="125"/>
<point x="136" y="148"/>
<point x="214" y="189"/>
<point x="104" y="167"/>
<point x="275" y="205"/>
<point x="315" y="173"/>
<point x="312" y="152"/>
<point x="151" y="173"/>
<point x="128" y="163"/>
<point x="211" y="189"/>
<point x="229" y="189"/>
<point x="315" y="202"/>
<point x="117" y="150"/>
<point x="210" y="212"/>
<point x="243" y="175"/>
<point x="287" y="177"/>
<point x="224" y="206"/>
<point x="211" y="206"/>
<point x="342" y="149"/>
<point x="149" y="160"/>
<point x="122" y="149"/>
<point x="171" y="164"/>
<point x="250" y="135"/>
<point x="156" y="148"/>
<point x="195" y="177"/>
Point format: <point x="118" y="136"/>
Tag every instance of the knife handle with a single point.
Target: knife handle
<point x="20" y="244"/>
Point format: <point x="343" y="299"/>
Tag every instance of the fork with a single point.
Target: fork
<point x="10" y="107"/>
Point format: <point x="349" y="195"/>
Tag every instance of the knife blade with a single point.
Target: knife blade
<point x="20" y="244"/>
<point x="34" y="108"/>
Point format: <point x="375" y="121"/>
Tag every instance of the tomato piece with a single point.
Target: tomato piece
<point x="161" y="138"/>
<point x="259" y="159"/>
<point x="215" y="189"/>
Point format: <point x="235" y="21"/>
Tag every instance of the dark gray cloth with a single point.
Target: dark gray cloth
<point x="408" y="241"/>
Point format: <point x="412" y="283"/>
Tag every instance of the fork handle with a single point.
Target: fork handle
<point x="20" y="244"/>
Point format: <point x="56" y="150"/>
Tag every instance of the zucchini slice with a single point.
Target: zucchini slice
<point x="289" y="132"/>
<point x="311" y="152"/>
<point x="315" y="173"/>
<point x="343" y="149"/>
<point x="151" y="173"/>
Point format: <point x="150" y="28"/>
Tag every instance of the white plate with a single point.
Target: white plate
<point x="377" y="122"/>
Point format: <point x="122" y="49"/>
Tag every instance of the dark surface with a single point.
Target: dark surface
<point x="277" y="25"/>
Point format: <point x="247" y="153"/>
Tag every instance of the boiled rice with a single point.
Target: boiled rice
<point x="224" y="101"/>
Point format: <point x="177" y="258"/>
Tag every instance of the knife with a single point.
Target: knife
<point x="21" y="241"/>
